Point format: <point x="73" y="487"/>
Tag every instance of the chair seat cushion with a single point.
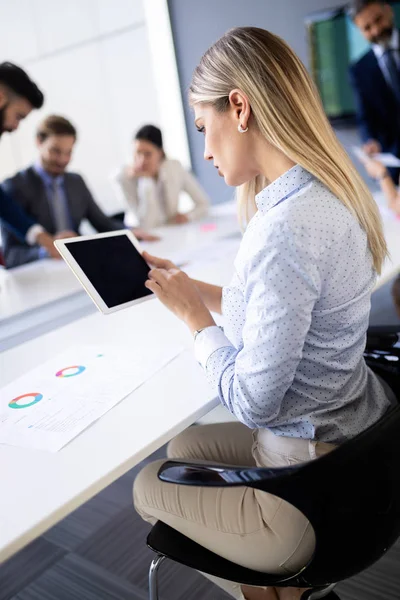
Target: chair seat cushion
<point x="167" y="541"/>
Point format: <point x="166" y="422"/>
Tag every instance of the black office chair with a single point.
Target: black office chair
<point x="351" y="496"/>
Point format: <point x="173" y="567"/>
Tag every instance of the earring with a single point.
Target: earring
<point x="241" y="130"/>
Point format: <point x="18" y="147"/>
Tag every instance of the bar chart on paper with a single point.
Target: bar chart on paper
<point x="49" y="406"/>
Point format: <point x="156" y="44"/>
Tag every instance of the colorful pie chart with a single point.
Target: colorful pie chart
<point x="70" y="371"/>
<point x="34" y="397"/>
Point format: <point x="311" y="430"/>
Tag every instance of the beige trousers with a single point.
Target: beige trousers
<point x="246" y="526"/>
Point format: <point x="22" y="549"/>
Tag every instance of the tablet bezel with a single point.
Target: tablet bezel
<point x="82" y="277"/>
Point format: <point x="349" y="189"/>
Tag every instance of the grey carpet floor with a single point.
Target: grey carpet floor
<point x="99" y="553"/>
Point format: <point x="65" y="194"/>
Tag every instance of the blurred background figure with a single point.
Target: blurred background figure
<point x="19" y="95"/>
<point x="381" y="174"/>
<point x="152" y="184"/>
<point x="396" y="295"/>
<point x="375" y="78"/>
<point x="56" y="199"/>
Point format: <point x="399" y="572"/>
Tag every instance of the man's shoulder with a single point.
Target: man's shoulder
<point x="363" y="63"/>
<point x="73" y="176"/>
<point x="20" y="178"/>
<point x="75" y="179"/>
<point x="76" y="188"/>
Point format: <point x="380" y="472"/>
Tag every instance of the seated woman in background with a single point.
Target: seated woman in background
<point x="378" y="171"/>
<point x="151" y="186"/>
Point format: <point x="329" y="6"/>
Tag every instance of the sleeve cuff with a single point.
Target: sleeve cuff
<point x="131" y="220"/>
<point x="43" y="253"/>
<point x="207" y="342"/>
<point x="32" y="234"/>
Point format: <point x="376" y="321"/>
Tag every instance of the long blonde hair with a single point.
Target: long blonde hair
<point x="287" y="110"/>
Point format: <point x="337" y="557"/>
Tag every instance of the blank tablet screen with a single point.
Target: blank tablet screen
<point x="114" y="267"/>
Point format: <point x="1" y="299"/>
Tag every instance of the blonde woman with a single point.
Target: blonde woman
<point x="289" y="363"/>
<point x="151" y="186"/>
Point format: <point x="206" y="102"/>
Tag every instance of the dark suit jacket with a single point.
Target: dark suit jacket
<point x="13" y="216"/>
<point x="378" y="114"/>
<point x="28" y="190"/>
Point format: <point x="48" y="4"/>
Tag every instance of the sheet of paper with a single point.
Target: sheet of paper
<point x="386" y="158"/>
<point x="50" y="405"/>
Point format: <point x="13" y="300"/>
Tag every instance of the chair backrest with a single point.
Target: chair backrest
<point x="351" y="496"/>
<point x="382" y="354"/>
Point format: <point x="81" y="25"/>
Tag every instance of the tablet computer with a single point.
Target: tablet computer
<point x="110" y="267"/>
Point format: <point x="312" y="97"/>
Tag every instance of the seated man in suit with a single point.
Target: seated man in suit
<point x="19" y="95"/>
<point x="54" y="198"/>
<point x="375" y="78"/>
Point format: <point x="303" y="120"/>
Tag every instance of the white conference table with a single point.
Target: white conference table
<point x="36" y="298"/>
<point x="40" y="296"/>
<point x="41" y="488"/>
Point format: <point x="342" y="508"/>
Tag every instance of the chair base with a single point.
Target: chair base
<point x="166" y="542"/>
<point x="316" y="594"/>
<point x="153" y="572"/>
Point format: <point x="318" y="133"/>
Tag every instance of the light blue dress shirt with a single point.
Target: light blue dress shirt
<point x="290" y="357"/>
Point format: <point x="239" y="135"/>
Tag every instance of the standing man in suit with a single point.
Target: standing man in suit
<point x="19" y="95"/>
<point x="375" y="78"/>
<point x="56" y="199"/>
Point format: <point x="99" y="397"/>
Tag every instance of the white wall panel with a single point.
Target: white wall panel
<point x="8" y="156"/>
<point x="76" y="89"/>
<point x="129" y="86"/>
<point x="61" y="24"/>
<point x="131" y="95"/>
<point x="18" y="38"/>
<point x="117" y="14"/>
